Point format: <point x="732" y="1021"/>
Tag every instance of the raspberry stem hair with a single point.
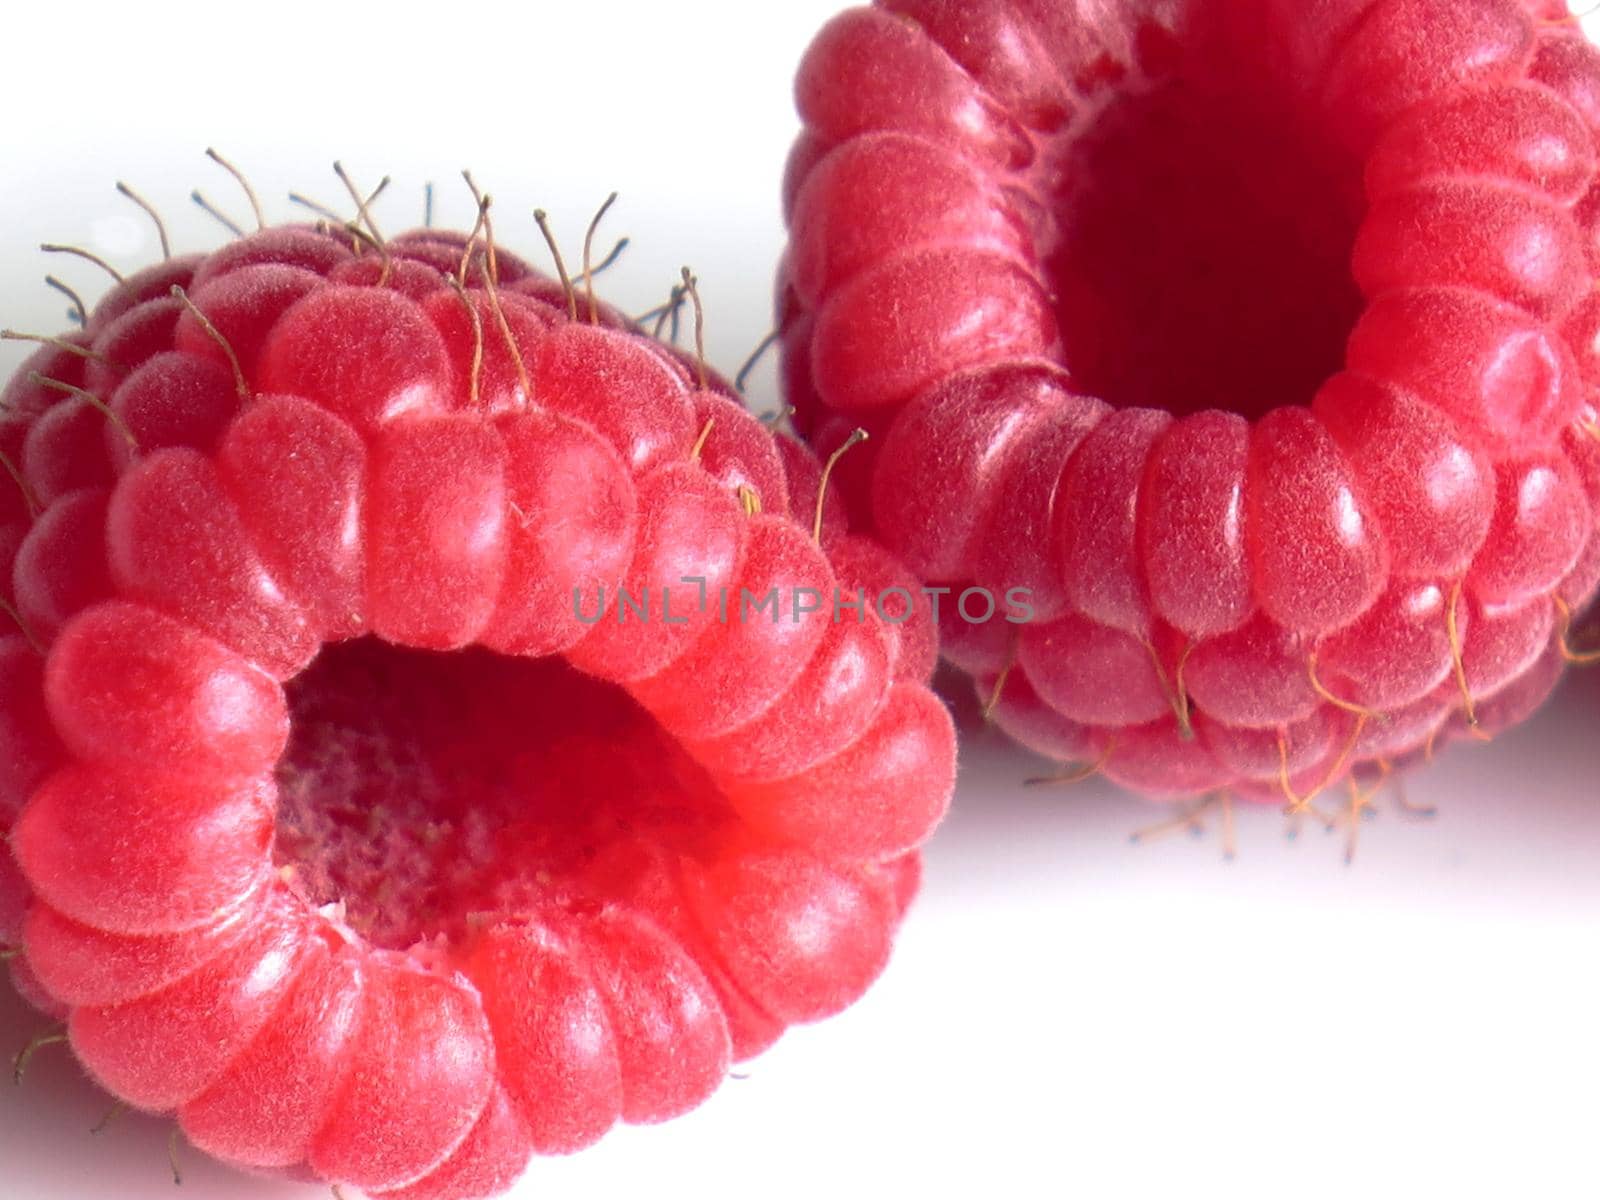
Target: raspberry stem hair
<point x="541" y="218"/>
<point x="753" y="359"/>
<point x="80" y="314"/>
<point x="244" y="185"/>
<point x="86" y="255"/>
<point x="94" y="401"/>
<point x="216" y="214"/>
<point x="588" y="250"/>
<point x="40" y="1041"/>
<point x="691" y="290"/>
<point x="155" y="217"/>
<point x="240" y="382"/>
<point x="58" y="343"/>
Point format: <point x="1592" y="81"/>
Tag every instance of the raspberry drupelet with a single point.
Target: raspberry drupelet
<point x="1259" y="339"/>
<point x="338" y="828"/>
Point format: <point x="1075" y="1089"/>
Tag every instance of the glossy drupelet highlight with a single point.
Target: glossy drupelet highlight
<point x="1259" y="339"/>
<point x="337" y="830"/>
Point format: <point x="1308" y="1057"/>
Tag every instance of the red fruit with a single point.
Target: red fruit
<point x="1255" y="339"/>
<point x="341" y="826"/>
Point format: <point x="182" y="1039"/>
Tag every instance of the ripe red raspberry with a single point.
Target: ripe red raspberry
<point x="1258" y="339"/>
<point x="352" y="840"/>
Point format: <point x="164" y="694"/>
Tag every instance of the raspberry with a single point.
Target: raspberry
<point x="1257" y="340"/>
<point x="340" y="831"/>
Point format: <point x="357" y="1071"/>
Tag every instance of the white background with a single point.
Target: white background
<point x="1067" y="1014"/>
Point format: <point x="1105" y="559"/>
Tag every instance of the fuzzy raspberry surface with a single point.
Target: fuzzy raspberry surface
<point x="334" y="831"/>
<point x="1258" y="339"/>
